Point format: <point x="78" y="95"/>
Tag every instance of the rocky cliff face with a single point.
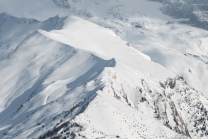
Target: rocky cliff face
<point x="173" y="102"/>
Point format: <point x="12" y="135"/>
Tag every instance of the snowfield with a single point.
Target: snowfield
<point x="90" y="69"/>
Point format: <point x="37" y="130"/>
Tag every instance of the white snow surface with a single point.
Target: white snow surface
<point x="100" y="69"/>
<point x="149" y="31"/>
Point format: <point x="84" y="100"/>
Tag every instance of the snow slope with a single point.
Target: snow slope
<point x="159" y="36"/>
<point x="43" y="76"/>
<point x="82" y="75"/>
<point x="129" y="123"/>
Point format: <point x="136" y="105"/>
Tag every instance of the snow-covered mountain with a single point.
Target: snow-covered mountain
<point x="89" y="69"/>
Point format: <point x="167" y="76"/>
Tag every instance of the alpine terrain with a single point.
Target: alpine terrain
<point x="103" y="69"/>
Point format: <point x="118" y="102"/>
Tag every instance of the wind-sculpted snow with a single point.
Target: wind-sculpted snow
<point x="100" y="69"/>
<point x="47" y="83"/>
<point x="45" y="77"/>
<point x="161" y="37"/>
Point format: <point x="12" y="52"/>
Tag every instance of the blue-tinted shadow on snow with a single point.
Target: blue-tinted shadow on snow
<point x="93" y="72"/>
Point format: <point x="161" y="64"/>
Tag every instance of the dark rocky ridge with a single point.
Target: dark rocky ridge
<point x="195" y="11"/>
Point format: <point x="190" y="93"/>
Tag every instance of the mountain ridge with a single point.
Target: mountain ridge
<point x="98" y="69"/>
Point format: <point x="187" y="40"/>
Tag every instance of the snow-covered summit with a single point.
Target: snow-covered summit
<point x="100" y="69"/>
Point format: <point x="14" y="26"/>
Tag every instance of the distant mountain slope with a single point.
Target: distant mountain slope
<point x="195" y="11"/>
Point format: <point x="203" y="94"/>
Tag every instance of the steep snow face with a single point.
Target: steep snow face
<point x="149" y="31"/>
<point x="46" y="80"/>
<point x="77" y="32"/>
<point x="161" y="37"/>
<point x="49" y="82"/>
<point x="32" y="62"/>
<point x="53" y="83"/>
<point x="145" y="92"/>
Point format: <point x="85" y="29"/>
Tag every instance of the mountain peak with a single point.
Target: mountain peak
<point x="85" y="69"/>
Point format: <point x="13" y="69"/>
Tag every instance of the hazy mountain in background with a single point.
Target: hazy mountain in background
<point x="195" y="12"/>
